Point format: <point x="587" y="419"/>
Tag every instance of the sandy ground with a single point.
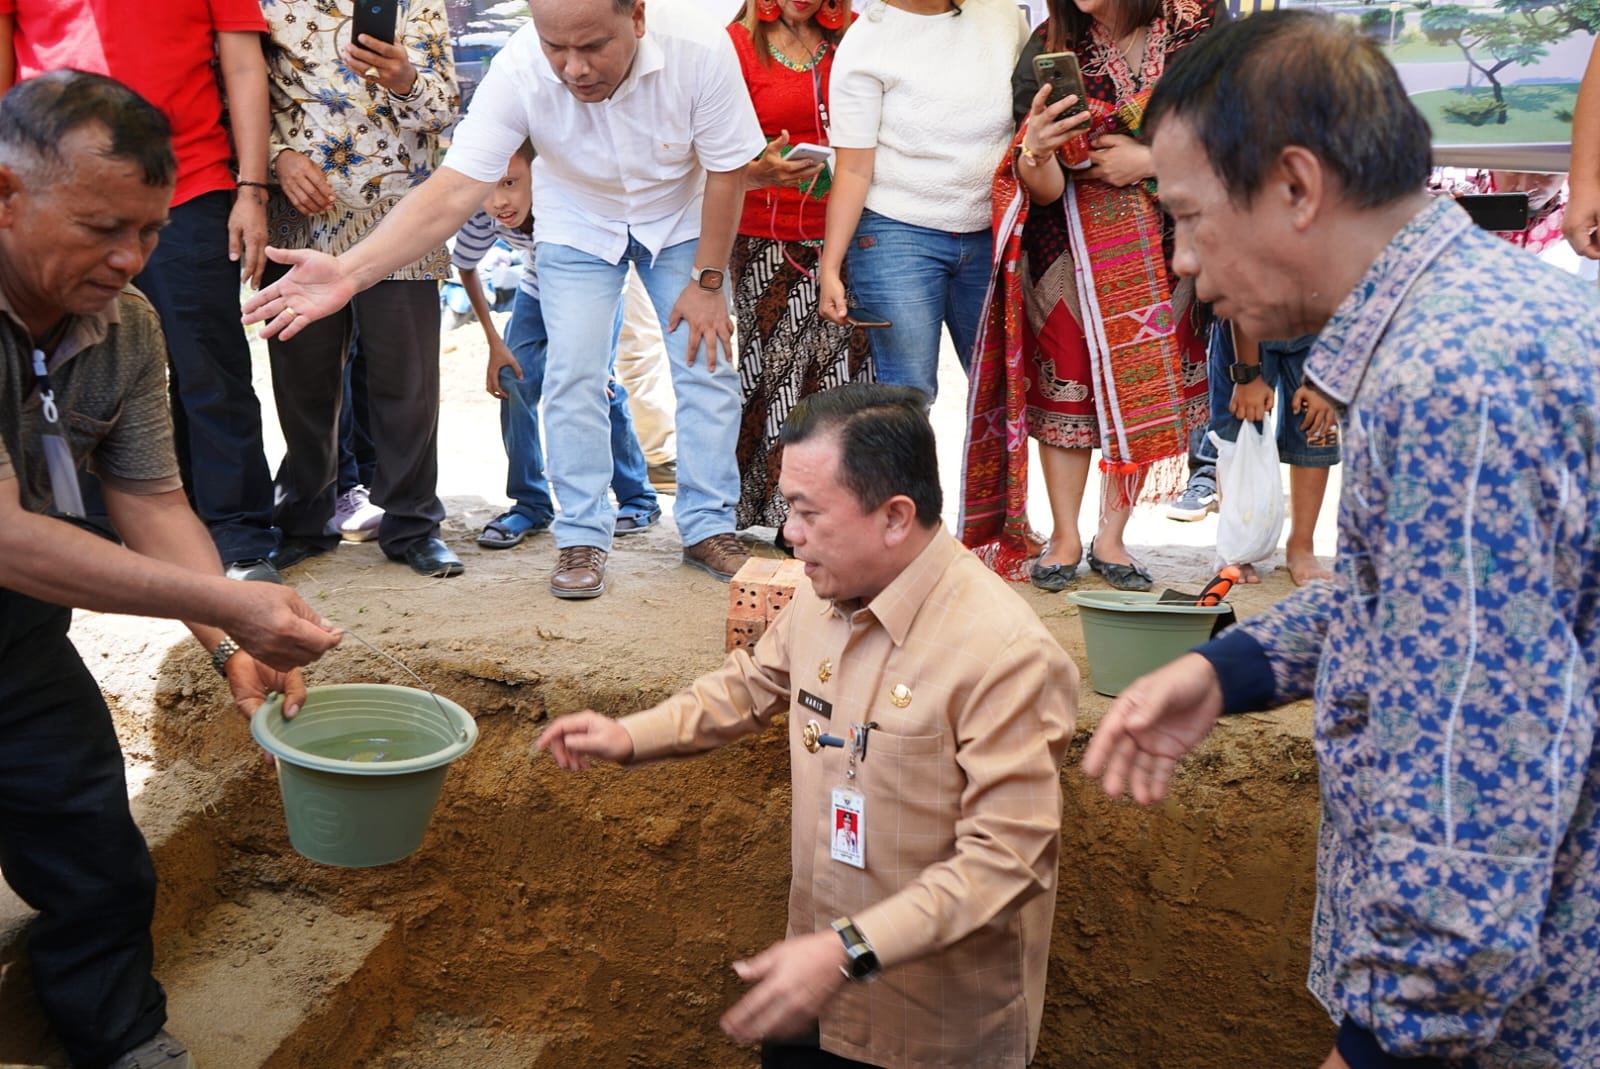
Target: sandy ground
<point x="554" y="919"/>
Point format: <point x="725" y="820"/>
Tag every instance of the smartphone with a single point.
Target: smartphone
<point x="858" y="316"/>
<point x="375" y="18"/>
<point x="809" y="153"/>
<point x="1497" y="211"/>
<point x="1059" y="70"/>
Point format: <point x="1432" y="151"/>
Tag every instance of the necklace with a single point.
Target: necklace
<point x="813" y="56"/>
<point x="1132" y="47"/>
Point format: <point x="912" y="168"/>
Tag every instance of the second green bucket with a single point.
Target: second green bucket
<point x="360" y="768"/>
<point x="1127" y="634"/>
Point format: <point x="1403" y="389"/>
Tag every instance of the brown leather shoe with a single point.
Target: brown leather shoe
<point x="580" y="573"/>
<point x="722" y="555"/>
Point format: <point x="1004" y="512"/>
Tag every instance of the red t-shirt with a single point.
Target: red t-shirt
<point x="163" y="49"/>
<point x="785" y="99"/>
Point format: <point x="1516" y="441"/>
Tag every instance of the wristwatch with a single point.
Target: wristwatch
<point x="219" y="656"/>
<point x="1239" y="374"/>
<point x="707" y="278"/>
<point x="861" y="961"/>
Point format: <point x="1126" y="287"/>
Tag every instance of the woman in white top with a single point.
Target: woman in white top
<point x="921" y="109"/>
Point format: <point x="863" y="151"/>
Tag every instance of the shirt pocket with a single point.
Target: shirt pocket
<point x="85" y="433"/>
<point x="672" y="147"/>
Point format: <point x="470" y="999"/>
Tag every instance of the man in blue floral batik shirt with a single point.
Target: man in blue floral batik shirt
<point x="1453" y="658"/>
<point x="355" y="126"/>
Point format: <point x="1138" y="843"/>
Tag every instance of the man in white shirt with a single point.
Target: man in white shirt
<point x="643" y="139"/>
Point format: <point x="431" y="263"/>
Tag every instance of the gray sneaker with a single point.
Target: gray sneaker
<point x="162" y="1052"/>
<point x="1197" y="499"/>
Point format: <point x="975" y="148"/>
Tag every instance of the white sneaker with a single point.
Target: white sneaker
<point x="355" y="517"/>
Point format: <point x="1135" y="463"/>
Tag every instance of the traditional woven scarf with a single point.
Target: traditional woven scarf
<point x="1144" y="405"/>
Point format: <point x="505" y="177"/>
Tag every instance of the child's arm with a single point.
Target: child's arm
<point x="499" y="353"/>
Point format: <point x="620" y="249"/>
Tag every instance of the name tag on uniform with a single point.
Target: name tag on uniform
<point x="816" y="704"/>
<point x="849" y="827"/>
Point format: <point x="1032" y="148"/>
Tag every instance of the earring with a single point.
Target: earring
<point x="768" y="10"/>
<point x="830" y="15"/>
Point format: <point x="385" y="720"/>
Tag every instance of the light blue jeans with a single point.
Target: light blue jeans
<point x="920" y="280"/>
<point x="526" y="483"/>
<point x="580" y="295"/>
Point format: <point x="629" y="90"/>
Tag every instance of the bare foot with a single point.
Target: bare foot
<point x="1247" y="574"/>
<point x="1304" y="567"/>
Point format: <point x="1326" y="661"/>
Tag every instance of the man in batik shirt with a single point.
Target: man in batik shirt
<point x="1453" y="658"/>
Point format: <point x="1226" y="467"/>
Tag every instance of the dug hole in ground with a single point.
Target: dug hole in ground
<point x="557" y="919"/>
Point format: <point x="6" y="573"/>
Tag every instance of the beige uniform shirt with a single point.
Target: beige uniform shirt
<point x="962" y="787"/>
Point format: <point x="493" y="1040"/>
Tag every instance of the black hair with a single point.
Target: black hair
<point x="1069" y="26"/>
<point x="886" y="443"/>
<point x="1253" y="87"/>
<point x="37" y="115"/>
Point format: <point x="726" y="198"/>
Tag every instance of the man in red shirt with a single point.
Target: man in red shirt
<point x="165" y="51"/>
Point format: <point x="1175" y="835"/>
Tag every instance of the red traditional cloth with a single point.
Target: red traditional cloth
<point x="1124" y="318"/>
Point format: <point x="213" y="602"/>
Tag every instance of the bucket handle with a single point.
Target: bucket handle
<point x="398" y="663"/>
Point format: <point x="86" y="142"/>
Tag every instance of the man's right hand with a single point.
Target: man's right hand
<point x="274" y="625"/>
<point x="1158" y="719"/>
<point x="317" y="285"/>
<point x="573" y="739"/>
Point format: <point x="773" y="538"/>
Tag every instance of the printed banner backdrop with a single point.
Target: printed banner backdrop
<point x="1497" y="79"/>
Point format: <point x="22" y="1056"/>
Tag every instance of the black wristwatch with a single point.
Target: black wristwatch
<point x="861" y="961"/>
<point x="1239" y="374"/>
<point x="707" y="278"/>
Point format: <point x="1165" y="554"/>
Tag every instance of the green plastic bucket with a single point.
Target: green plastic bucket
<point x="360" y="768"/>
<point x="1127" y="634"/>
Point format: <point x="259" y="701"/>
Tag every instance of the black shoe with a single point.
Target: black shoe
<point x="258" y="569"/>
<point x="431" y="557"/>
<point x="295" y="550"/>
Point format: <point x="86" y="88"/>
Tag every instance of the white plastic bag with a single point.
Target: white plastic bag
<point x="1250" y="486"/>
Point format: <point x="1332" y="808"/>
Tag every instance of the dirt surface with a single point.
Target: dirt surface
<point x="556" y="919"/>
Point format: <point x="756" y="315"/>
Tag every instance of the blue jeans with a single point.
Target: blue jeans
<point x="1283" y="368"/>
<point x="581" y="295"/>
<point x="920" y="280"/>
<point x="526" y="484"/>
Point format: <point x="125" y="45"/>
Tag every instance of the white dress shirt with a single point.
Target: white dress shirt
<point x="634" y="162"/>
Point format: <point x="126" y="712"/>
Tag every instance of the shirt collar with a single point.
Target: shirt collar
<point x="81" y="332"/>
<point x="1339" y="359"/>
<point x="897" y="604"/>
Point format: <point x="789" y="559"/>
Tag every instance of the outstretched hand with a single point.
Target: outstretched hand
<point x="1158" y="719"/>
<point x="250" y="681"/>
<point x="316" y="285"/>
<point x="576" y="738"/>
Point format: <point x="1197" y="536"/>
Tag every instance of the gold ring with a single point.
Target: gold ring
<point x="291" y="311"/>
<point x="370" y="73"/>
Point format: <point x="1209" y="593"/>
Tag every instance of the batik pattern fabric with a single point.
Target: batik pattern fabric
<point x="373" y="146"/>
<point x="786" y="351"/>
<point x="1453" y="659"/>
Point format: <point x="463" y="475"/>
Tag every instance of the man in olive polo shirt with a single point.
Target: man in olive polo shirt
<point x="86" y="175"/>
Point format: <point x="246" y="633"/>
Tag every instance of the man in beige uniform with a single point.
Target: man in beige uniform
<point x="929" y="710"/>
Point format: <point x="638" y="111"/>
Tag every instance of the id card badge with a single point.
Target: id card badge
<point x="849" y="827"/>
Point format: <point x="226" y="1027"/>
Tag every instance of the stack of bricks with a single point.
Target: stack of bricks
<point x="763" y="586"/>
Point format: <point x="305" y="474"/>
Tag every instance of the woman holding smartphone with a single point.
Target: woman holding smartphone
<point x="786" y="350"/>
<point x="1091" y="334"/>
<point x="921" y="108"/>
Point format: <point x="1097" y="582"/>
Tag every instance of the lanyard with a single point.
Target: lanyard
<point x="57" y="453"/>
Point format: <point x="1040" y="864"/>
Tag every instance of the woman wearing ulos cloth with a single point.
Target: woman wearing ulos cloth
<point x="1091" y="341"/>
<point x="786" y="350"/>
<point x="920" y="105"/>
